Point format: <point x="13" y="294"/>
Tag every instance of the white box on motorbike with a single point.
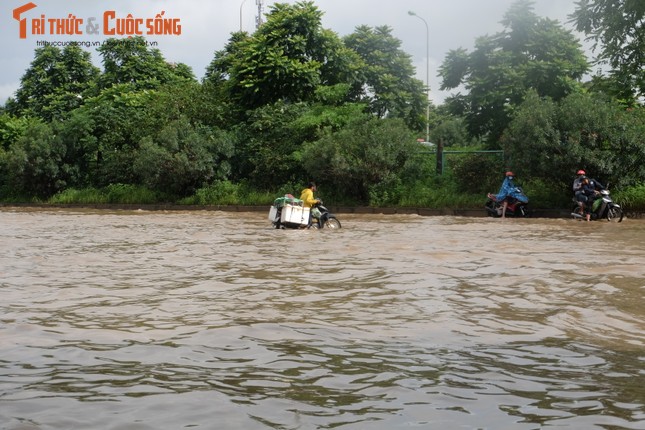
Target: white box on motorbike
<point x="273" y="213"/>
<point x="294" y="215"/>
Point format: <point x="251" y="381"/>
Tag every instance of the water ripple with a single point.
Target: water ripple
<point x="216" y="320"/>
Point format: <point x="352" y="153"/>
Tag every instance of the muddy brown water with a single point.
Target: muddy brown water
<point x="214" y="320"/>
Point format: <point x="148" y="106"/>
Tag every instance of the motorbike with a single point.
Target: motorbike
<point x="322" y="218"/>
<point x="603" y="207"/>
<point x="287" y="215"/>
<point x="517" y="205"/>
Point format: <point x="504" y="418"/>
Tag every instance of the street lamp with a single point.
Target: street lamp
<point x="243" y="1"/>
<point x="411" y="13"/>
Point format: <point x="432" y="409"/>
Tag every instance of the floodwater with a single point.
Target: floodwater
<point x="214" y="320"/>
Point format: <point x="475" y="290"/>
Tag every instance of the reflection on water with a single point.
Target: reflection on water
<point x="150" y="320"/>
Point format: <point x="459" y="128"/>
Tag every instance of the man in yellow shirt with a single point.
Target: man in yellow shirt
<point x="307" y="195"/>
<point x="308" y="200"/>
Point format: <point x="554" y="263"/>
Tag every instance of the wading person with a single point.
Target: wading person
<point x="505" y="191"/>
<point x="308" y="200"/>
<point x="586" y="190"/>
<point x="577" y="188"/>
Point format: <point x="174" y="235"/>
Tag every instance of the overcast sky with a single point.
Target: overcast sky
<point x="207" y="25"/>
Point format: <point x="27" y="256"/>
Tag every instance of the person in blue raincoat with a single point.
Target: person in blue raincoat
<point x="508" y="190"/>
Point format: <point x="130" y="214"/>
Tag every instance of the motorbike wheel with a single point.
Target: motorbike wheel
<point x="331" y="222"/>
<point x="614" y="214"/>
<point x="491" y="210"/>
<point x="523" y="211"/>
<point x="577" y="210"/>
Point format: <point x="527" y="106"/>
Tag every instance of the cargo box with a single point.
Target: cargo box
<point x="294" y="215"/>
<point x="273" y="214"/>
<point x="287" y="200"/>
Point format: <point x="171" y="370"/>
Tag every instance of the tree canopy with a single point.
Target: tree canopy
<point x="55" y="82"/>
<point x="530" y="53"/>
<point x="287" y="58"/>
<point x="131" y="61"/>
<point x="618" y="29"/>
<point x="387" y="81"/>
<point x="552" y="140"/>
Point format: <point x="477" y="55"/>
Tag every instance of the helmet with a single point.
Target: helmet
<point x="581" y="172"/>
<point x="509" y="173"/>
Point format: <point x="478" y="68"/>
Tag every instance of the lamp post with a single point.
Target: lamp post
<point x="243" y="1"/>
<point x="411" y="13"/>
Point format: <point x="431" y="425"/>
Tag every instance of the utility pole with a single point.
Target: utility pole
<point x="411" y="13"/>
<point x="258" y="19"/>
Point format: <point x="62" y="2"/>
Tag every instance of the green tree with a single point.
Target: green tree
<point x="268" y="144"/>
<point x="551" y="140"/>
<point x="531" y="53"/>
<point x="329" y="112"/>
<point x="80" y="147"/>
<point x="451" y="131"/>
<point x="120" y="115"/>
<point x="605" y="138"/>
<point x="217" y="83"/>
<point x="185" y="99"/>
<point x="55" y="83"/>
<point x="533" y="141"/>
<point x="182" y="158"/>
<point x="388" y="84"/>
<point x="11" y="128"/>
<point x="287" y="58"/>
<point x="617" y="27"/>
<point x="119" y="118"/>
<point x="33" y="163"/>
<point x="219" y="69"/>
<point x="132" y="62"/>
<point x="364" y="160"/>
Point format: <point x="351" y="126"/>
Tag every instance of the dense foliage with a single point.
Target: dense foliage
<point x="295" y="102"/>
<point x="617" y="28"/>
<point x="550" y="140"/>
<point x="530" y="53"/>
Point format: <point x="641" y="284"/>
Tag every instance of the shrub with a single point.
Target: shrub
<point x="219" y="193"/>
<point x="632" y="198"/>
<point x="83" y="196"/>
<point x="477" y="173"/>
<point x="130" y="194"/>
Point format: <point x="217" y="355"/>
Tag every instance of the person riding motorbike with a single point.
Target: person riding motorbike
<point x="508" y="187"/>
<point x="577" y="183"/>
<point x="585" y="191"/>
<point x="307" y="195"/>
<point x="577" y="188"/>
<point x="308" y="200"/>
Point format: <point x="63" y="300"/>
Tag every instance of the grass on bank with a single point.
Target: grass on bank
<point x="223" y="193"/>
<point x="439" y="196"/>
<point x="632" y="198"/>
<point x="112" y="194"/>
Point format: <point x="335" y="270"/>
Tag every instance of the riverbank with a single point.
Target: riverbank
<point x="471" y="212"/>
